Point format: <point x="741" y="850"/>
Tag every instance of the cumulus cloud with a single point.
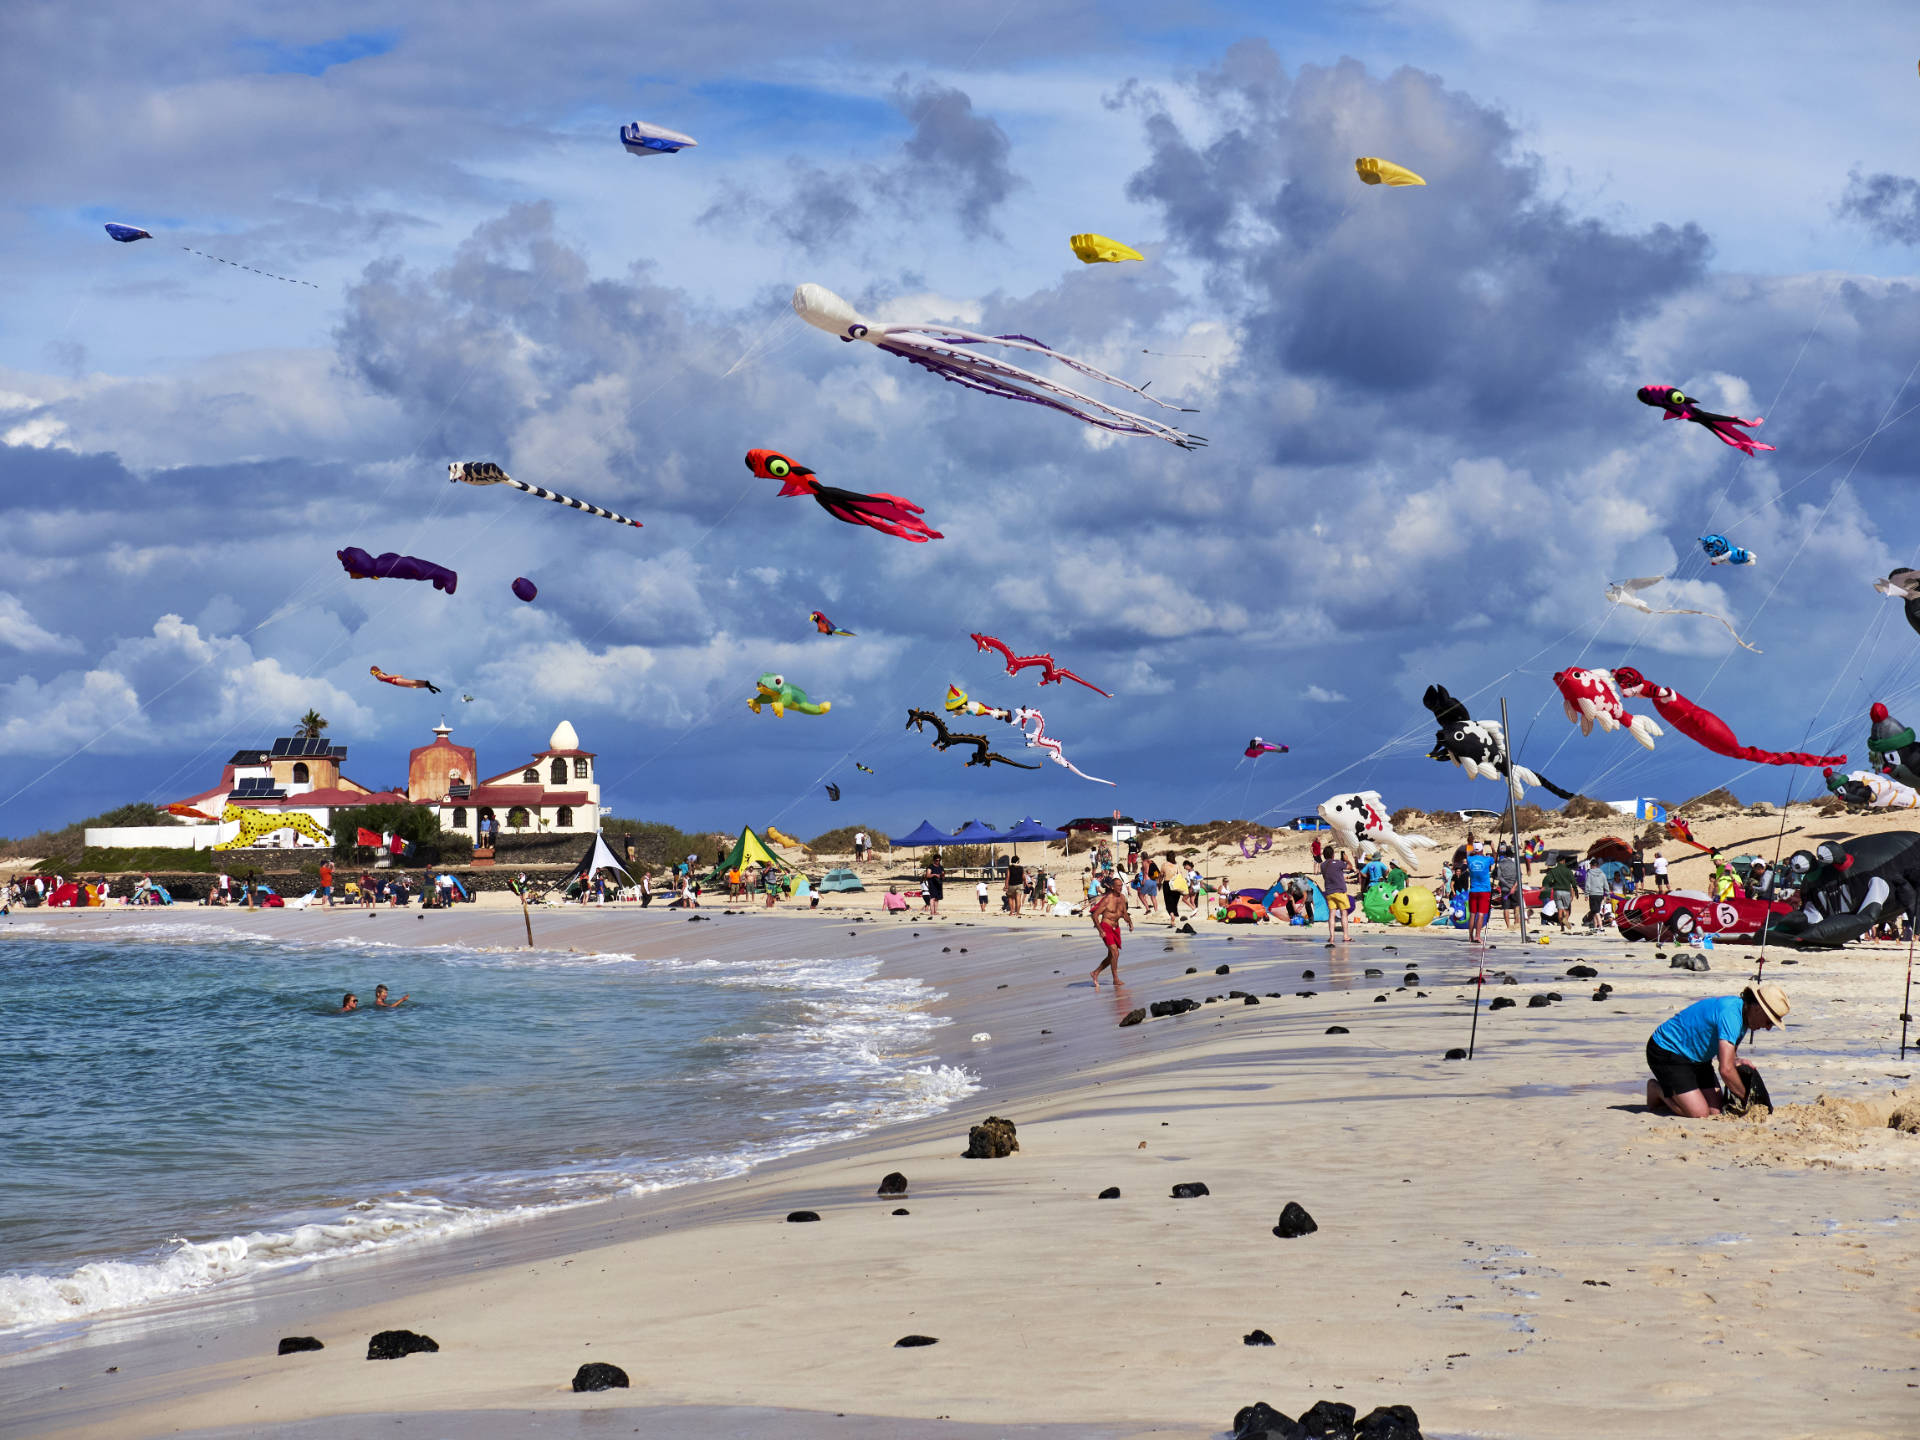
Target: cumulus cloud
<point x="20" y="631"/>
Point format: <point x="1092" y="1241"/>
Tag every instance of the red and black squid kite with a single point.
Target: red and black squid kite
<point x="1680" y="406"/>
<point x="889" y="514"/>
<point x="1708" y="728"/>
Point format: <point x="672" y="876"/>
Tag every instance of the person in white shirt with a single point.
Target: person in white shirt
<point x="980" y="892"/>
<point x="860" y="846"/>
<point x="1660" y="871"/>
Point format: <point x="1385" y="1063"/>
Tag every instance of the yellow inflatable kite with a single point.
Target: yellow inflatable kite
<point x="1375" y="171"/>
<point x="255" y="824"/>
<point x="1095" y="248"/>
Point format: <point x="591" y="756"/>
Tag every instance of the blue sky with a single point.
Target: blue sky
<point x="1426" y="463"/>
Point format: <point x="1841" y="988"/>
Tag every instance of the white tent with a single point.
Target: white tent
<point x="597" y="858"/>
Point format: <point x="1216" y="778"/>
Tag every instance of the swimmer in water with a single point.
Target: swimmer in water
<point x="381" y="1002"/>
<point x="348" y="1003"/>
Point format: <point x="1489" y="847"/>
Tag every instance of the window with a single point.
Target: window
<point x="565" y="818"/>
<point x="580" y="767"/>
<point x="459" y="817"/>
<point x="529" y="776"/>
<point x="517" y="818"/>
<point x="300" y="772"/>
<point x="559" y="771"/>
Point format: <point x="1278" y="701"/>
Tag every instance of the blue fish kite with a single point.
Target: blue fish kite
<point x="127" y="234"/>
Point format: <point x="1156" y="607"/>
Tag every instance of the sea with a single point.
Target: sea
<point x="182" y="1106"/>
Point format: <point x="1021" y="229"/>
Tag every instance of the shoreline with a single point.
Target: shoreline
<point x="1426" y="1177"/>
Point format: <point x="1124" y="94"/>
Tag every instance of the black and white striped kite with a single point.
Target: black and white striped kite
<point x="485" y="472"/>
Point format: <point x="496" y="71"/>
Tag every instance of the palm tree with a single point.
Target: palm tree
<point x="312" y="724"/>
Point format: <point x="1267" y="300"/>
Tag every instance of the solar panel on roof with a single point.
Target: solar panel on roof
<point x="293" y="747"/>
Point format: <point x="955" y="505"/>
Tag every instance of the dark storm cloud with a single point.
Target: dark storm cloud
<point x="1478" y="291"/>
<point x="1888" y="205"/>
<point x="954" y="166"/>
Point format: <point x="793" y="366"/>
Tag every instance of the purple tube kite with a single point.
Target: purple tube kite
<point x="389" y="566"/>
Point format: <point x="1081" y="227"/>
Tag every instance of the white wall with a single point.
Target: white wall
<point x="162" y="837"/>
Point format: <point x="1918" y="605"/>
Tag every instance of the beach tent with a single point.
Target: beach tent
<point x="843" y="879"/>
<point x="749" y="849"/>
<point x="974" y="833"/>
<point x="1032" y="829"/>
<point x="597" y="858"/>
<point x="925" y="835"/>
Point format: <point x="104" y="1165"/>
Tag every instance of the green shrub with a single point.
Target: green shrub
<point x="840" y="842"/>
<point x="410" y="822"/>
<point x="656" y="845"/>
<point x="146" y="859"/>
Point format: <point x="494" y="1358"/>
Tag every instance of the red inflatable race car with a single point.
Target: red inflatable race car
<point x="1685" y="913"/>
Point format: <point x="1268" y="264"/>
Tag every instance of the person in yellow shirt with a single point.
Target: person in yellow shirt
<point x="1722" y="881"/>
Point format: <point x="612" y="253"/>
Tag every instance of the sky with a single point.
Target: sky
<point x="1426" y="459"/>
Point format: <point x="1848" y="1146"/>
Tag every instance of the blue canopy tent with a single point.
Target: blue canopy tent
<point x="1031" y="829"/>
<point x="925" y="835"/>
<point x="974" y="833"/>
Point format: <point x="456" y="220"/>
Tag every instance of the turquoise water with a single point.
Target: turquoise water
<point x="181" y="1107"/>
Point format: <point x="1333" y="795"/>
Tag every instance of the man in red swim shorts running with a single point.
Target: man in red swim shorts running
<point x="1107" y="913"/>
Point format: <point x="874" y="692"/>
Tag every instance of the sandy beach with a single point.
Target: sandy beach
<point x="1510" y="1245"/>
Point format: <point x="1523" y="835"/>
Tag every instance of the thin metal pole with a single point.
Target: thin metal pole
<point x="525" y="914"/>
<point x="1479" y="984"/>
<point x="1520" y="877"/>
<point x="1906" y="1008"/>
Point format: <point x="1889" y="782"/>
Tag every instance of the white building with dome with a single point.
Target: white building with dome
<point x="554" y="793"/>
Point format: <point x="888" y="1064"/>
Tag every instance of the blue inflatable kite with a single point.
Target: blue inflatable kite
<point x="1722" y="551"/>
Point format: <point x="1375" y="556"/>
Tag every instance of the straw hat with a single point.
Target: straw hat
<point x="1772" y="1000"/>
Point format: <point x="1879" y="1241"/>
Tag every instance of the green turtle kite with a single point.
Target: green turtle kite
<point x="773" y="690"/>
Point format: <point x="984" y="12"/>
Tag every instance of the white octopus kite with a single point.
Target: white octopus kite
<point x="1626" y="592"/>
<point x="940" y="348"/>
<point x="1038" y="739"/>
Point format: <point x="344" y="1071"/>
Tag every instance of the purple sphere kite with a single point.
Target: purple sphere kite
<point x="525" y="588"/>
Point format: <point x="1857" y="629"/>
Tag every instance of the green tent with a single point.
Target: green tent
<point x="749" y="849"/>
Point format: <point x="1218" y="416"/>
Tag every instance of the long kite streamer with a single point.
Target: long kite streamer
<point x="1625" y="592"/>
<point x="485" y="472"/>
<point x="1706" y="727"/>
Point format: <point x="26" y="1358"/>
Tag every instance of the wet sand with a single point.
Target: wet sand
<point x="1509" y="1245"/>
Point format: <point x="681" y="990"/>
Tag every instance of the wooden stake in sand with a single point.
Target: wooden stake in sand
<point x="520" y="889"/>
